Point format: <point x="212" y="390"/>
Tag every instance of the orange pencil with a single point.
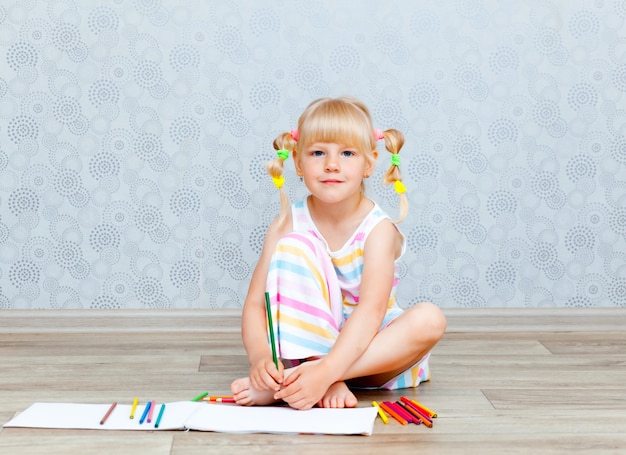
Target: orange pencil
<point x="413" y="411"/>
<point x="421" y="407"/>
<point x="385" y="406"/>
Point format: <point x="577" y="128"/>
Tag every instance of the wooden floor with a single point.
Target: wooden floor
<point x="497" y="390"/>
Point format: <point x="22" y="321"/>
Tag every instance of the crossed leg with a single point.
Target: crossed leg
<point x="397" y="347"/>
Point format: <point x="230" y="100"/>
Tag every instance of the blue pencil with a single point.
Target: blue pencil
<point x="145" y="412"/>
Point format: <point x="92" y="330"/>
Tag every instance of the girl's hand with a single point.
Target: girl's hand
<point x="265" y="376"/>
<point x="305" y="386"/>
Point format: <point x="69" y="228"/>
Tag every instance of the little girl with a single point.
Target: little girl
<point x="330" y="267"/>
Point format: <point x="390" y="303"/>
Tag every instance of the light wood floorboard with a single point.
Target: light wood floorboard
<point x="559" y="390"/>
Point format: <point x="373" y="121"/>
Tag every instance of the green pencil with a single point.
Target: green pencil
<point x="200" y="397"/>
<point x="271" y="327"/>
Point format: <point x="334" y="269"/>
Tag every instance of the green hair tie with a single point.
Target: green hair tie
<point x="395" y="160"/>
<point x="282" y="154"/>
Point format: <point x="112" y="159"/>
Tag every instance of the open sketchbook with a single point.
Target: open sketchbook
<point x="183" y="415"/>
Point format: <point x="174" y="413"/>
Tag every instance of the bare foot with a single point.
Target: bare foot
<point x="245" y="395"/>
<point x="338" y="395"/>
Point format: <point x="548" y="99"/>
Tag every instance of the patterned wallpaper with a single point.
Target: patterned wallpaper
<point x="133" y="137"/>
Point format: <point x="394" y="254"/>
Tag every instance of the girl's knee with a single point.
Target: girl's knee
<point x="430" y="319"/>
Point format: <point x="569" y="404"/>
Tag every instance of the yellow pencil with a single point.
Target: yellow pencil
<point x="382" y="415"/>
<point x="134" y="408"/>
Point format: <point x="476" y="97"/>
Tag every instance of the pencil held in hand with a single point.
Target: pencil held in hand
<point x="271" y="328"/>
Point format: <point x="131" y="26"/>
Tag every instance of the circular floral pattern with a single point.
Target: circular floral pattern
<point x="22" y="127"/>
<point x="184" y="272"/>
<point x="184" y="200"/>
<point x="501" y="201"/>
<point x="23" y="272"/>
<point x="263" y="94"/>
<point x="21" y="54"/>
<point x="504" y="59"/>
<point x="147" y="218"/>
<point x="501" y="131"/>
<point x="104" y="164"/>
<point x="617" y="291"/>
<point x="22" y="200"/>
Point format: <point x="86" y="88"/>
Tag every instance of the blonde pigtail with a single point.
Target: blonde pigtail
<point x="394" y="140"/>
<point x="284" y="145"/>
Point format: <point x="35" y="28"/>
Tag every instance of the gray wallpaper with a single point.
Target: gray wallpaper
<point x="133" y="137"/>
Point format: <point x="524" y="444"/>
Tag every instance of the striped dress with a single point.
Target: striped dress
<point x="313" y="291"/>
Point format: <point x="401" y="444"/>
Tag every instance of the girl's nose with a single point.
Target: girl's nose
<point x="331" y="164"/>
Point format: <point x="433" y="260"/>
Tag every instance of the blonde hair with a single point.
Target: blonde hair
<point x="342" y="121"/>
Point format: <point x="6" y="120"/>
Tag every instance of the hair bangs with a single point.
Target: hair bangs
<point x="338" y="121"/>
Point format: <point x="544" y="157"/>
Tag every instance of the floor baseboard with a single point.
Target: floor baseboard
<point x="228" y="320"/>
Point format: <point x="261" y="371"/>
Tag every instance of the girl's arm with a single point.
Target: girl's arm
<point x="263" y="372"/>
<point x="382" y="247"/>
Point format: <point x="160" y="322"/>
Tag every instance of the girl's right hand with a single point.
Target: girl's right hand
<point x="265" y="376"/>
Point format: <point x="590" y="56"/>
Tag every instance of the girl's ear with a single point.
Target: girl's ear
<point x="294" y="155"/>
<point x="371" y="164"/>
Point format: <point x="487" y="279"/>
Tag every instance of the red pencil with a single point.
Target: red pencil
<point x="223" y="400"/>
<point x="413" y="411"/>
<point x="406" y="415"/>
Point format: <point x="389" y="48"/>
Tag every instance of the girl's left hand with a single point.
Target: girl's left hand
<point x="305" y="386"/>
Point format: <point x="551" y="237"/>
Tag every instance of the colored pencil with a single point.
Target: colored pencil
<point x="418" y="415"/>
<point x="392" y="413"/>
<point x="200" y="397"/>
<point x="158" y="420"/>
<point x="382" y="415"/>
<point x="145" y="412"/>
<point x="151" y="411"/>
<point x="271" y="328"/>
<point x="404" y="413"/>
<point x="222" y="400"/>
<point x="108" y="413"/>
<point x="134" y="408"/>
<point x="426" y="411"/>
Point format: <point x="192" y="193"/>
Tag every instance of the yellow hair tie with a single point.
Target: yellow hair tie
<point x="399" y="187"/>
<point x="278" y="181"/>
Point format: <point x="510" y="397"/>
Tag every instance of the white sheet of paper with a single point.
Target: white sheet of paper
<point x="271" y="419"/>
<point x="88" y="416"/>
<point x="199" y="416"/>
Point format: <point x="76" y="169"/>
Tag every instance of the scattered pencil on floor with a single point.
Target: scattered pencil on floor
<point x="220" y="399"/>
<point x="405" y="411"/>
<point x="381" y="413"/>
<point x="389" y="410"/>
<point x="200" y="397"/>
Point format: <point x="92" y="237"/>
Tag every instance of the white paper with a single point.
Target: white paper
<point x="271" y="419"/>
<point x="88" y="416"/>
<point x="199" y="416"/>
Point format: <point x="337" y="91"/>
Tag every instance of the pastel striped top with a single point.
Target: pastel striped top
<point x="348" y="260"/>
